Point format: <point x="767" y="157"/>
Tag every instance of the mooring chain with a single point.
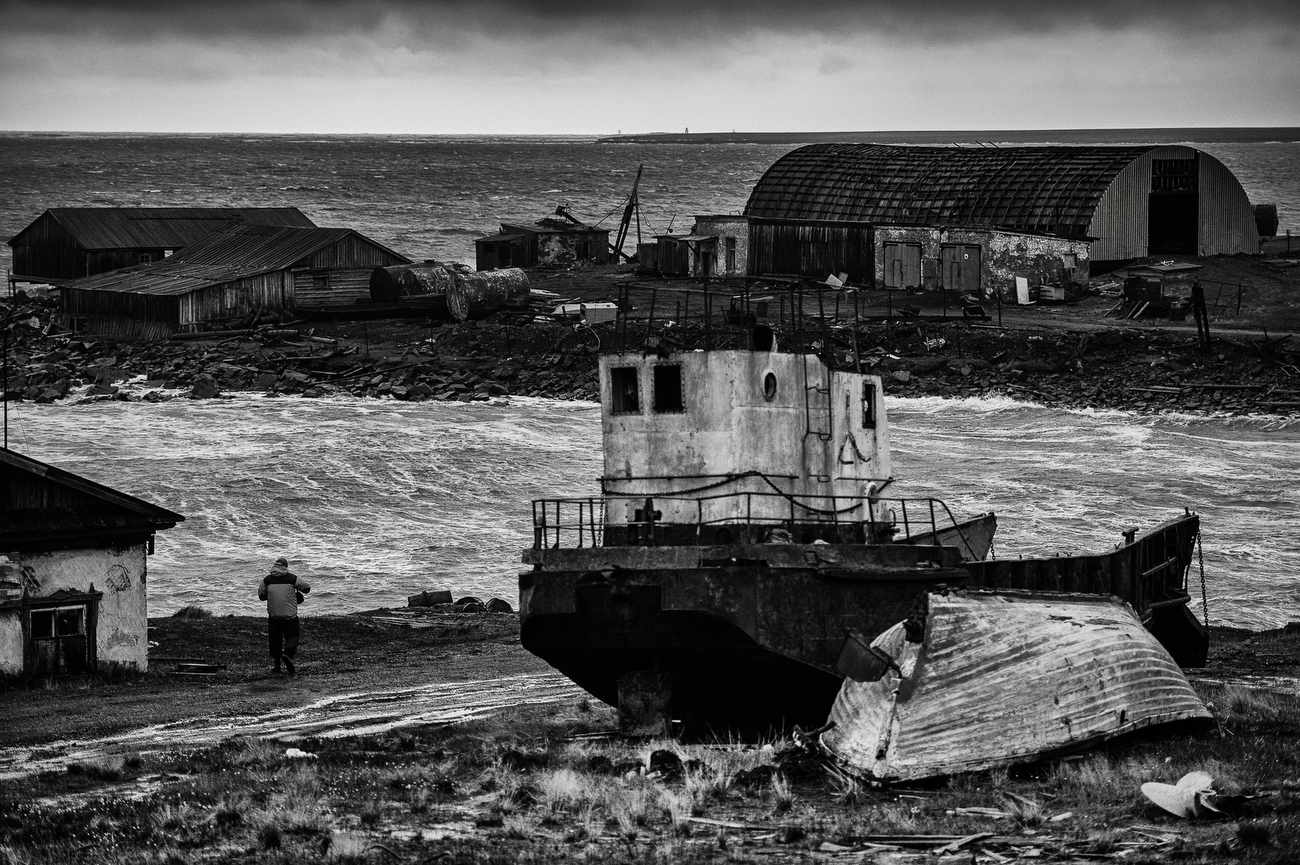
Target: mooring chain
<point x="1205" y="604"/>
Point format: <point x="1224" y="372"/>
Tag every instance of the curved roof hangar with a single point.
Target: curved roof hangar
<point x="1134" y="200"/>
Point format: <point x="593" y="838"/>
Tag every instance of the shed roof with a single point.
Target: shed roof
<point x="1052" y="189"/>
<point x="224" y="255"/>
<point x="41" y="503"/>
<point x="159" y="227"/>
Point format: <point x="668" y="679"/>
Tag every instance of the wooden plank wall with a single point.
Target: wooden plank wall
<point x="813" y="249"/>
<point x="46" y="249"/>
<point x="81" y="303"/>
<point x="341" y="287"/>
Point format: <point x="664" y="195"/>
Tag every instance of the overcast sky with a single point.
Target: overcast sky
<point x="583" y="66"/>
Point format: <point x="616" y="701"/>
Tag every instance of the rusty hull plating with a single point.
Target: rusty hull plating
<point x="744" y="527"/>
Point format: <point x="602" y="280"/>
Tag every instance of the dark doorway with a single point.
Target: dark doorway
<point x="1171" y="229"/>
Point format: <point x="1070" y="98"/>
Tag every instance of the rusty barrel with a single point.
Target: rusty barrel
<point x="420" y="286"/>
<point x="483" y="292"/>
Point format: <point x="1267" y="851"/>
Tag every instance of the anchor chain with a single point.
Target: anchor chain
<point x="1205" y="604"/>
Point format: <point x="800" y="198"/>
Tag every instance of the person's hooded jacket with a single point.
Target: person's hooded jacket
<point x="280" y="590"/>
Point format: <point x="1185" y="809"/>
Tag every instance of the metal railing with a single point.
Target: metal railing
<point x="586" y="522"/>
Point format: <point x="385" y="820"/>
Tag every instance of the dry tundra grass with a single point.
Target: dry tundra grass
<point x="520" y="787"/>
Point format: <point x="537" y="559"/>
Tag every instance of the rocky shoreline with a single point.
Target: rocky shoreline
<point x="1139" y="369"/>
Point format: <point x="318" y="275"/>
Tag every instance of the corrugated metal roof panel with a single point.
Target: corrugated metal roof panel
<point x="224" y="255"/>
<point x="256" y="248"/>
<point x="1052" y="189"/>
<point x="162" y="227"/>
<point x="159" y="278"/>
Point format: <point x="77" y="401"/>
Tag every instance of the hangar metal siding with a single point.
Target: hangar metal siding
<point x="1225" y="215"/>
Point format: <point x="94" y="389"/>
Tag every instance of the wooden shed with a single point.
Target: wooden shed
<point x="549" y="242"/>
<point x="73" y="575"/>
<point x="1129" y="202"/>
<point x="69" y="242"/>
<point x="229" y="275"/>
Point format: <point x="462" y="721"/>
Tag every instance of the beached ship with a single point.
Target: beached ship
<point x="745" y="526"/>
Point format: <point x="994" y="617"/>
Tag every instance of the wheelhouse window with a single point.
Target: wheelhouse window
<point x="668" y="388"/>
<point x="868" y="404"/>
<point x="624" y="398"/>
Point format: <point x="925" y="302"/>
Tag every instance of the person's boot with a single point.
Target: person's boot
<point x="277" y="664"/>
<point x="288" y="664"/>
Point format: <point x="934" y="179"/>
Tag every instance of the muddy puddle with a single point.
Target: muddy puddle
<point x="339" y="715"/>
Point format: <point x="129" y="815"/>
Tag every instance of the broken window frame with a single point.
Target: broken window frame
<point x="624" y="390"/>
<point x="868" y="404"/>
<point x="667" y="391"/>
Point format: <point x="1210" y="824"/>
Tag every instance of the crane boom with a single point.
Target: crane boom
<point x="633" y="206"/>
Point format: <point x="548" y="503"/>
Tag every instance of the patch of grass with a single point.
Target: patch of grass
<point x="781" y="794"/>
<point x="679" y="807"/>
<point x="230" y="811"/>
<point x="628" y="807"/>
<point x="1251" y="708"/>
<point x="270" y="837"/>
<point x="564" y="790"/>
<point x="513" y="792"/>
<point x="192" y="611"/>
<point x="521" y="827"/>
<point x="371" y="813"/>
<point x="255" y="753"/>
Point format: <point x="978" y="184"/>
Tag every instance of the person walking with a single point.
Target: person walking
<point x="282" y="592"/>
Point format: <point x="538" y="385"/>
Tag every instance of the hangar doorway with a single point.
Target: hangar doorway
<point x="1172" y="207"/>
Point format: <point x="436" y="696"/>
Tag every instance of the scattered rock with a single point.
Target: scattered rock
<point x="205" y="387"/>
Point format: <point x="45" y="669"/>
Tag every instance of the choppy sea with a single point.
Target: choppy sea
<point x="373" y="500"/>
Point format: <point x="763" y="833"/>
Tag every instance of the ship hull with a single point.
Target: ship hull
<point x="747" y="636"/>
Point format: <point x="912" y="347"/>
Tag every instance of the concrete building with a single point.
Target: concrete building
<point x="717" y="246"/>
<point x="230" y="275"/>
<point x="70" y="242"/>
<point x="1130" y="201"/>
<point x="73" y="571"/>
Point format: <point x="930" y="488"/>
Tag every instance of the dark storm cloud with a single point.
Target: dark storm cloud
<point x="653" y="21"/>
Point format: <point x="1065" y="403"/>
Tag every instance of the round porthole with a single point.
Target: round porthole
<point x="769" y="386"/>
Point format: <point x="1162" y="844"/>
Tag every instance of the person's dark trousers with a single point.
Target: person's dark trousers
<point x="283" y="634"/>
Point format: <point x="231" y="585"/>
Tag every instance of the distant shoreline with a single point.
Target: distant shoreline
<point x="1154" y="135"/>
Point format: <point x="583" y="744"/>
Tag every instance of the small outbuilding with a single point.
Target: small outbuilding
<point x="549" y="242"/>
<point x="232" y="274"/>
<point x="73" y="571"/>
<point x="70" y="242"/>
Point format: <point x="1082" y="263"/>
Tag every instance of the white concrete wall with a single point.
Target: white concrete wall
<point x="122" y="628"/>
<point x="722" y="227"/>
<point x="729" y="427"/>
<point x="1004" y="255"/>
